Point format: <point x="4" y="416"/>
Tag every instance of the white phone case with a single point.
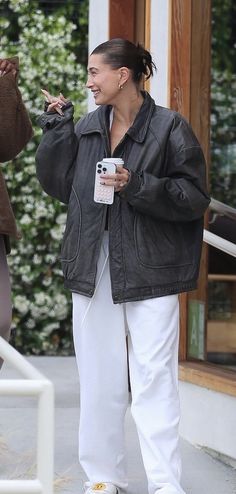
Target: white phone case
<point x="103" y="193"/>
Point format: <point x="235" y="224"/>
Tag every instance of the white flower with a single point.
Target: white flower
<point x="61" y="219"/>
<point x="47" y="281"/>
<point x="21" y="304"/>
<point x="27" y="279"/>
<point x="37" y="259"/>
<point x="50" y="258"/>
<point x="48" y="328"/>
<point x="30" y="323"/>
<point x="40" y="212"/>
<point x="16" y="260"/>
<point x="57" y="232"/>
<point x="42" y="298"/>
<point x="25" y="220"/>
<point x="25" y="269"/>
<point x="60" y="307"/>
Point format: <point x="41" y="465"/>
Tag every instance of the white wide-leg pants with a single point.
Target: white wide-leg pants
<point x="100" y="328"/>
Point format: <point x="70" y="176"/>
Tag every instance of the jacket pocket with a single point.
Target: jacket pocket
<point x="71" y="237"/>
<point x="160" y="244"/>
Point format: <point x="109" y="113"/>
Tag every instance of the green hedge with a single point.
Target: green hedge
<point x="46" y="45"/>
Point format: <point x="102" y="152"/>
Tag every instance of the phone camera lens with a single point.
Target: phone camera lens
<point x="99" y="166"/>
<point x="104" y="169"/>
<point x="99" y="171"/>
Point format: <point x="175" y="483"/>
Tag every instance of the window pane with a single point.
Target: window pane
<point x="221" y="330"/>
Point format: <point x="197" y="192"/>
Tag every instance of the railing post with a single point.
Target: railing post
<point x="46" y="438"/>
<point x="34" y="384"/>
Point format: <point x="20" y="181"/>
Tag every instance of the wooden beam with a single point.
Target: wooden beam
<point x="208" y="376"/>
<point x="131" y="19"/>
<point x="190" y="61"/>
<point x="200" y="113"/>
<point x="147" y="19"/>
<point x="122" y="19"/>
<point x="200" y="72"/>
<point x="179" y="87"/>
<point x="140" y="22"/>
<point x="180" y="56"/>
<point x="190" y="95"/>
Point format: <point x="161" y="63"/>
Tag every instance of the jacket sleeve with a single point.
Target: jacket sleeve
<point x="15" y="127"/>
<point x="56" y="154"/>
<point x="181" y="193"/>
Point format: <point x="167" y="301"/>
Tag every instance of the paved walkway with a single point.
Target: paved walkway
<point x="201" y="473"/>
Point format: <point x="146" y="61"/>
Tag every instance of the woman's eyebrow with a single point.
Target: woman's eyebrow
<point x="92" y="68"/>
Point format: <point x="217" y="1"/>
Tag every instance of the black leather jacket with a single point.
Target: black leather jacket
<point x="155" y="224"/>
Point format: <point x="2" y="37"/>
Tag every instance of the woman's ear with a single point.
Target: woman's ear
<point x="124" y="75"/>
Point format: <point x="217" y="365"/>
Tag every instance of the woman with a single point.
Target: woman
<point x="15" y="132"/>
<point x="126" y="263"/>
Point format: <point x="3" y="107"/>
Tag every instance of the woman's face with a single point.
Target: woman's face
<point x="103" y="81"/>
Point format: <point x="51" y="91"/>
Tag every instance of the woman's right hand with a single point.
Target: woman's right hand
<point x="56" y="103"/>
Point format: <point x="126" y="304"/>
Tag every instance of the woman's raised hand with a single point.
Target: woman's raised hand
<point x="56" y="103"/>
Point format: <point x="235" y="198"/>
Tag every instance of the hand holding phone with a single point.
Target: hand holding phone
<point x="104" y="194"/>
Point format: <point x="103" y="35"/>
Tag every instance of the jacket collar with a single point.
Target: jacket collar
<point x="98" y="120"/>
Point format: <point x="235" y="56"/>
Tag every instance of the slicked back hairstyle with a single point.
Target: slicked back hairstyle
<point x="119" y="52"/>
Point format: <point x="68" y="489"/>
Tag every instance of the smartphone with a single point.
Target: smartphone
<point x="104" y="194"/>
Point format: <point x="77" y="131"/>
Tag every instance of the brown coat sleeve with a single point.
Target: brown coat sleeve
<point x="15" y="125"/>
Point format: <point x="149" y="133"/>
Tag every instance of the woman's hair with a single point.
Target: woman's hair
<point x="119" y="52"/>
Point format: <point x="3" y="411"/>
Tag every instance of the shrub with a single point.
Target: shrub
<point x="45" y="45"/>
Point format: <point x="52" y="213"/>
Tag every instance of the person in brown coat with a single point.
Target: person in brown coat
<point x="15" y="132"/>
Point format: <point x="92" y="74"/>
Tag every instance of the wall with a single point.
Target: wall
<point x="98" y="32"/>
<point x="208" y="419"/>
<point x="159" y="48"/>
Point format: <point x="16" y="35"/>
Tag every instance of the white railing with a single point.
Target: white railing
<point x="34" y="384"/>
<point x="220" y="243"/>
<point x="222" y="209"/>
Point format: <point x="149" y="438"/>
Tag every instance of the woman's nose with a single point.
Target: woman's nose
<point x="88" y="83"/>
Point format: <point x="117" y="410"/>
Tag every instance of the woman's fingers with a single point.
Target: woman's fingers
<point x="122" y="174"/>
<point x="55" y="107"/>
<point x="117" y="180"/>
<point x="48" y="96"/>
<point x="122" y="177"/>
<point x="51" y="99"/>
<point x="56" y="102"/>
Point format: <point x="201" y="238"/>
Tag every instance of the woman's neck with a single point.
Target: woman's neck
<point x="126" y="109"/>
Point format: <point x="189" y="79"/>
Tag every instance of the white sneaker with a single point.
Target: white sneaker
<point x="100" y="488"/>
